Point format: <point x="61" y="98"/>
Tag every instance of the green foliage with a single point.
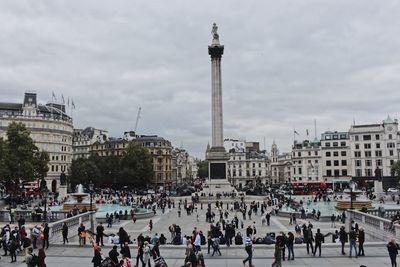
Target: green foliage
<point x="395" y="169"/>
<point x="132" y="169"/>
<point x="20" y="159"/>
<point x="136" y="166"/>
<point x="202" y="169"/>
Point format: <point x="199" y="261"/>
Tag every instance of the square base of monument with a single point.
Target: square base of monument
<point x="219" y="186"/>
<point x="217" y="170"/>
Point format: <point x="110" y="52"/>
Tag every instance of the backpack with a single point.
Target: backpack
<point x="34" y="261"/>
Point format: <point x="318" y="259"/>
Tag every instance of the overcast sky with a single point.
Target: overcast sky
<point x="285" y="64"/>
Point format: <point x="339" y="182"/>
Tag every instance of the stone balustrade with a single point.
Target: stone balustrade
<point x="33" y="217"/>
<point x="377" y="227"/>
<point x="73" y="224"/>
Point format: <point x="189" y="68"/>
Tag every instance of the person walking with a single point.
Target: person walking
<point x="65" y="233"/>
<point x="277" y="256"/>
<point x="353" y="242"/>
<point x="289" y="245"/>
<point x="361" y="240"/>
<point x="97" y="257"/>
<point x="343" y="238"/>
<point x="393" y="249"/>
<point x="268" y="218"/>
<point x="139" y="255"/>
<point x="197" y="242"/>
<point x="319" y="239"/>
<point x="46" y="232"/>
<point x="147" y="254"/>
<point x="215" y="246"/>
<point x="151" y="225"/>
<point x="41" y="258"/>
<point x="333" y="219"/>
<point x="13" y="245"/>
<point x="248" y="246"/>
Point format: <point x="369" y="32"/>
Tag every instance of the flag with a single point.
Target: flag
<point x="68" y="102"/>
<point x="307" y="132"/>
<point x="53" y="97"/>
<point x="73" y="104"/>
<point x="62" y="98"/>
<point x="295" y="132"/>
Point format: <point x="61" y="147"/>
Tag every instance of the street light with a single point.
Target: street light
<point x="91" y="187"/>
<point x="351" y="184"/>
<point x="91" y="194"/>
<point x="45" y="194"/>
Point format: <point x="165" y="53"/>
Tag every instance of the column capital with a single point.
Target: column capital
<point x="216" y="51"/>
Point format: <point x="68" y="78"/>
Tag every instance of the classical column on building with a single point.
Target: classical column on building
<point x="216" y="155"/>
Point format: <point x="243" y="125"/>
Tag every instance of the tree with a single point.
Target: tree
<point x="202" y="169"/>
<point x="136" y="166"/>
<point x="82" y="171"/>
<point x="21" y="160"/>
<point x="395" y="169"/>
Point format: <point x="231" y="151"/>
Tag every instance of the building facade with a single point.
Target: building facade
<point x="280" y="166"/>
<point x="373" y="146"/>
<point x="83" y="139"/>
<point x="306" y="161"/>
<point x="336" y="166"/>
<point x="246" y="164"/>
<point x="159" y="148"/>
<point x="50" y="128"/>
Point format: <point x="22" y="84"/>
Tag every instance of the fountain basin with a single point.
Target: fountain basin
<point x="357" y="204"/>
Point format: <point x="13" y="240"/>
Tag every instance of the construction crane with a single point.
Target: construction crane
<point x="137" y="119"/>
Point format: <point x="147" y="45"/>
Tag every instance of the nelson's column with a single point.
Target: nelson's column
<point x="216" y="155"/>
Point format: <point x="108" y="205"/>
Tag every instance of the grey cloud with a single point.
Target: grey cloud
<point x="286" y="63"/>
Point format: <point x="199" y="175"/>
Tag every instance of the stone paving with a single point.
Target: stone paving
<point x="59" y="255"/>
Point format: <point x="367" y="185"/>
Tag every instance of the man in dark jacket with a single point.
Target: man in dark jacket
<point x="319" y="239"/>
<point x="343" y="238"/>
<point x="308" y="239"/>
<point x="113" y="254"/>
<point x="125" y="250"/>
<point x="100" y="234"/>
<point x="361" y="240"/>
<point x="65" y="233"/>
<point x="46" y="236"/>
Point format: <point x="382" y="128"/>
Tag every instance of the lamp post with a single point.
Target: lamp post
<point x="351" y="184"/>
<point x="91" y="187"/>
<point x="45" y="194"/>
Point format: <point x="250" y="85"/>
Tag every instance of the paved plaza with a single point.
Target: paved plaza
<point x="60" y="255"/>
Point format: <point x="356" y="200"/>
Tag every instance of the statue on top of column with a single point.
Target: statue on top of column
<point x="215" y="33"/>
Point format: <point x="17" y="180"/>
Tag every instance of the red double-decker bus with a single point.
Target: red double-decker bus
<point x="308" y="188"/>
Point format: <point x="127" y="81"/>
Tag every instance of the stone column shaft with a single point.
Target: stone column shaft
<point x="217" y="118"/>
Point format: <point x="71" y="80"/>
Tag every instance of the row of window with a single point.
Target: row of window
<point x="336" y="163"/>
<point x="336" y="136"/>
<point x="368" y="154"/>
<point x="335" y="144"/>
<point x="247" y="165"/>
<point x="335" y="153"/>
<point x="253" y="173"/>
<point x="336" y="173"/>
<point x="309" y="154"/>
<point x="54" y="168"/>
<point x="368" y="137"/>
